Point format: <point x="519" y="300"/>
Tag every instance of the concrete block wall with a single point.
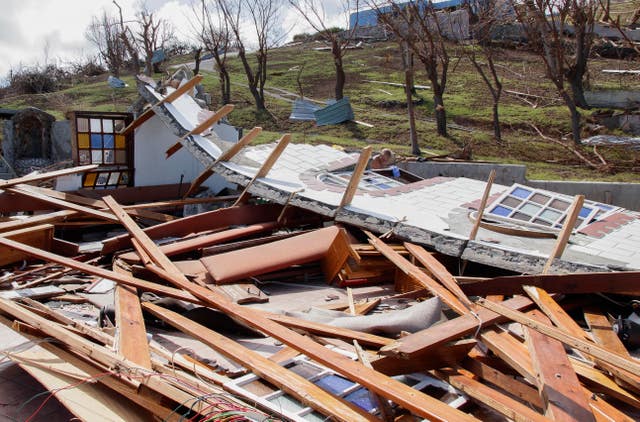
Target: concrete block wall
<point x="625" y="195"/>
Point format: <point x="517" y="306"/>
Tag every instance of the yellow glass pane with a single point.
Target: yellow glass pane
<point x="90" y="179"/>
<point x="120" y="141"/>
<point x="83" y="140"/>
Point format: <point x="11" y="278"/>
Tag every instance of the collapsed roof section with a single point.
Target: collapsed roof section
<point x="433" y="212"/>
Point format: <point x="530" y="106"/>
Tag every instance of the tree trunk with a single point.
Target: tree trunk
<point x="225" y="86"/>
<point x="577" y="89"/>
<point x="337" y="61"/>
<point x="197" y="59"/>
<point x="575" y="125"/>
<point x="496" y="120"/>
<point x="575" y="116"/>
<point x="253" y="84"/>
<point x="148" y="67"/>
<point x="409" y="88"/>
<point x="441" y="114"/>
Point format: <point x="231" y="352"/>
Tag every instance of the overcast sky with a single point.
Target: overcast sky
<point x="32" y="31"/>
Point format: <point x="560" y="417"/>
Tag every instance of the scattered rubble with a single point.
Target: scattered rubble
<point x="320" y="290"/>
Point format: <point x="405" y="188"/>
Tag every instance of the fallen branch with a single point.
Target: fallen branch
<point x="604" y="167"/>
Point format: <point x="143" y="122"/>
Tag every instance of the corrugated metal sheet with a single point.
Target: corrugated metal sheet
<point x="338" y="112"/>
<point x="303" y="110"/>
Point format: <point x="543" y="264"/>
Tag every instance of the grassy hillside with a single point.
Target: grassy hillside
<point x="467" y="102"/>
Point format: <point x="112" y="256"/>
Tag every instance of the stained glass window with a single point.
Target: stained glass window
<point x="99" y="142"/>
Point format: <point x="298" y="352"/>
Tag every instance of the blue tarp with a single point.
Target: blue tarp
<point x="115" y="82"/>
<point x="158" y="56"/>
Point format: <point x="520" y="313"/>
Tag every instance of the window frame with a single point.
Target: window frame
<point x="95" y="145"/>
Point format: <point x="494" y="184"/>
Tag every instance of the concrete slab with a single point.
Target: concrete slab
<point x="432" y="212"/>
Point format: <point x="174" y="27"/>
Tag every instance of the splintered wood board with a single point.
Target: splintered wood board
<point x="40" y="237"/>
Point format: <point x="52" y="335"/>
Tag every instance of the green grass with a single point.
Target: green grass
<point x="467" y="102"/>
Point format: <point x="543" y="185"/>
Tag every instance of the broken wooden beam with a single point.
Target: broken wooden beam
<point x="304" y="390"/>
<point x="403" y="395"/>
<point x="277" y="150"/>
<point x="35" y="177"/>
<point x="225" y="156"/>
<point x="565" y="232"/>
<point x="356" y="175"/>
<point x="418" y="275"/>
<point x="592" y="349"/>
<point x="558" y="383"/>
<point x="201" y="127"/>
<point x="620" y="282"/>
<point x="169" y="98"/>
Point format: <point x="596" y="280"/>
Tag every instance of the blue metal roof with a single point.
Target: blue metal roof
<point x="337" y="112"/>
<point x="369" y="17"/>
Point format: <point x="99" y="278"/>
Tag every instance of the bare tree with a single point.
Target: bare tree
<point x="104" y="34"/>
<point x="152" y="34"/>
<point x="547" y="24"/>
<point x="313" y="12"/>
<point x="127" y="38"/>
<point x="214" y="34"/>
<point x="264" y="16"/>
<point x="484" y="17"/>
<point x="417" y="24"/>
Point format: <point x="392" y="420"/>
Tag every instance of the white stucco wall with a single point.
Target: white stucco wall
<point x="152" y="139"/>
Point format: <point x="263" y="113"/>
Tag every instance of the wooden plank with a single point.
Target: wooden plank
<point x="501" y="403"/>
<point x="100" y="272"/>
<point x="435" y="358"/>
<point x="225" y="156"/>
<point x="64" y="247"/>
<point x="483" y="204"/>
<point x="206" y="124"/>
<point x="620" y="282"/>
<point x="418" y="275"/>
<point x="65" y="204"/>
<point x="554" y="311"/>
<point x="383" y="405"/>
<point x="354" y="181"/>
<point x="413" y="345"/>
<point x="95" y="203"/>
<point x="169" y="98"/>
<point x="86" y="400"/>
<point x="565" y="232"/>
<point x="266" y="166"/>
<point x="284" y="355"/>
<point x="210" y="220"/>
<point x="317" y="328"/>
<point x="132" y="334"/>
<point x="558" y="384"/>
<point x="37" y="236"/>
<point x="401" y="394"/>
<point x="192" y="244"/>
<point x="603" y="334"/>
<point x="516" y="354"/>
<point x="94" y="333"/>
<point x="44" y="176"/>
<point x="439" y="271"/>
<point x="307" y="392"/>
<point x="35" y="220"/>
<point x="561" y="319"/>
<point x="100" y="354"/>
<point x="508" y="383"/>
<point x="363" y="308"/>
<point x="592" y="349"/>
<point x="601" y="383"/>
<point x="35" y="292"/>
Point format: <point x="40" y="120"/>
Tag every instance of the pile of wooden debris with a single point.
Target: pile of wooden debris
<point x="98" y="320"/>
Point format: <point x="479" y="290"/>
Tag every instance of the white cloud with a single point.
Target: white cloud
<point x="28" y="27"/>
